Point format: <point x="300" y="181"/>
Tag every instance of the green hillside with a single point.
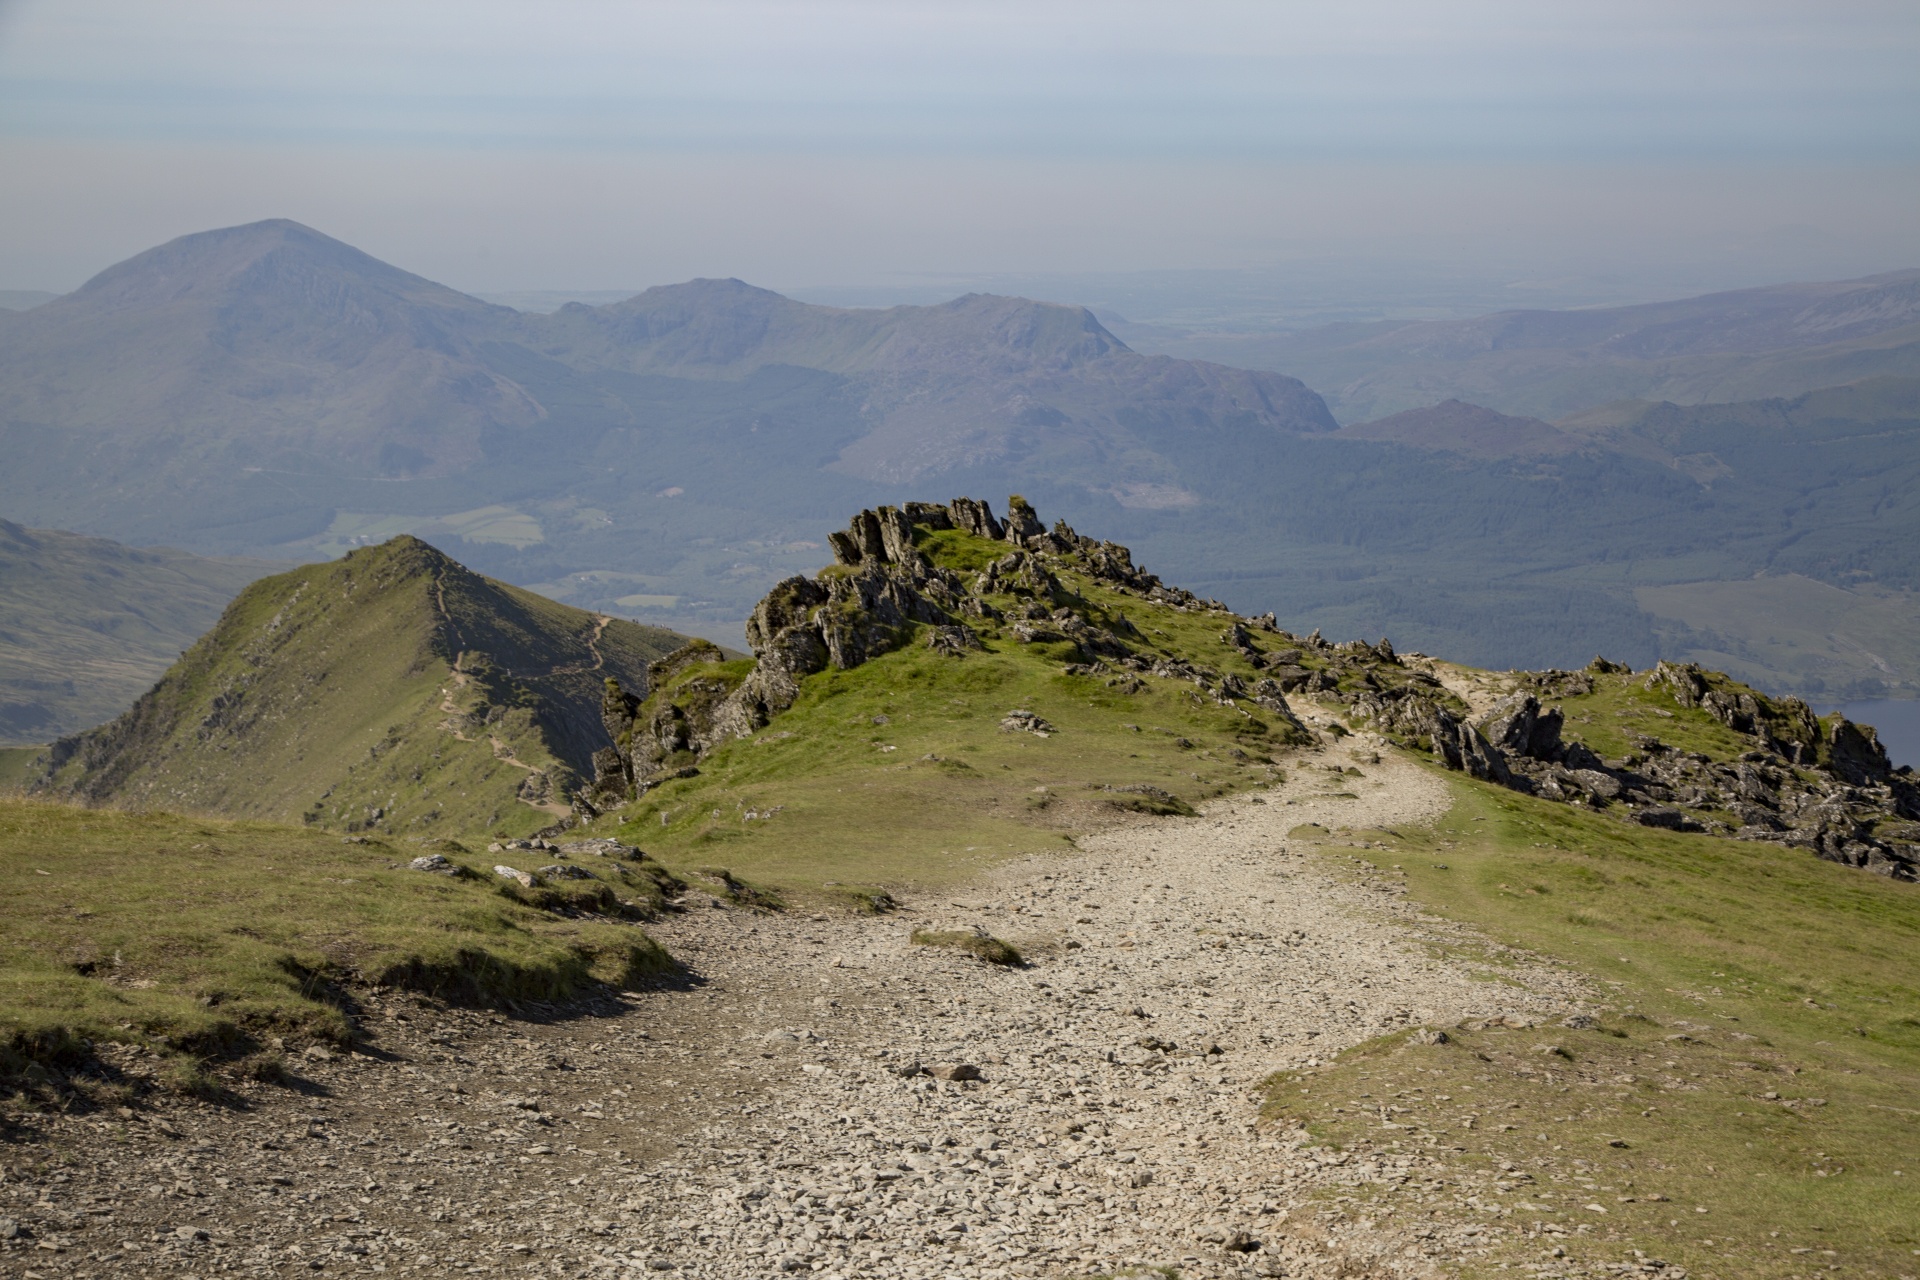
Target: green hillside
<point x="206" y="940"/>
<point x="1744" y="1102"/>
<point x="87" y="625"/>
<point x="389" y="691"/>
<point x="1698" y="849"/>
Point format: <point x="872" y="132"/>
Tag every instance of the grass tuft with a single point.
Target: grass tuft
<point x="980" y="945"/>
<point x="863" y="899"/>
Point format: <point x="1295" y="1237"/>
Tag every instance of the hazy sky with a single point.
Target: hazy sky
<point x="593" y="144"/>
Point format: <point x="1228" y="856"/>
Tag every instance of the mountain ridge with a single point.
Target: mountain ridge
<point x="670" y="469"/>
<point x="956" y="581"/>
<point x="1772" y="340"/>
<point x="1455" y="426"/>
<point x="391" y="690"/>
<point x="221" y="362"/>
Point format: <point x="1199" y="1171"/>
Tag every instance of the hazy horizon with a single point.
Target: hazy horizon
<point x="1565" y="156"/>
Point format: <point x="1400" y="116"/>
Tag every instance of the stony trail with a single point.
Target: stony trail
<point x="774" y="1114"/>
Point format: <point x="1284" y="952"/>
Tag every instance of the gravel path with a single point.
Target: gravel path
<point x="776" y="1113"/>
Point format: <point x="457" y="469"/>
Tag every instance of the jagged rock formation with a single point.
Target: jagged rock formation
<point x="1825" y="786"/>
<point x="880" y="591"/>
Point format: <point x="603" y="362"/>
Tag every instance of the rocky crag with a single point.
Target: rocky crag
<point x="1743" y="764"/>
<point x="884" y="591"/>
<point x="1779" y="772"/>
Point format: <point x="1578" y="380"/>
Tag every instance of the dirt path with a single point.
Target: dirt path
<point x="502" y="750"/>
<point x="764" y="1118"/>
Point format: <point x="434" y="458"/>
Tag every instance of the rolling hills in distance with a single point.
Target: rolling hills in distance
<point x="1747" y="344"/>
<point x="267" y="391"/>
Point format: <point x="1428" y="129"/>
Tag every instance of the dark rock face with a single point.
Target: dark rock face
<point x="1666" y="819"/>
<point x="1519" y="727"/>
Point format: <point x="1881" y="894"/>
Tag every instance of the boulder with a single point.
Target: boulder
<point x="1685" y="681"/>
<point x="602" y="847"/>
<point x="565" y="871"/>
<point x="1855" y="754"/>
<point x="1665" y="818"/>
<point x="1596" y="783"/>
<point x="1517" y="726"/>
<point x="955" y="1071"/>
<point x="976" y="518"/>
<point x="955" y="641"/>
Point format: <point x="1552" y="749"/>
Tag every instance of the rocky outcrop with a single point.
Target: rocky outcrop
<point x="880" y="591"/>
<point x="1825" y="786"/>
<point x="1792" y="778"/>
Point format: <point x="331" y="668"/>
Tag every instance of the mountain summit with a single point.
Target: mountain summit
<point x="268" y="348"/>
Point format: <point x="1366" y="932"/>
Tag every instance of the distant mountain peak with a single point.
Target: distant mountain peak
<point x="275" y="256"/>
<point x="273" y="360"/>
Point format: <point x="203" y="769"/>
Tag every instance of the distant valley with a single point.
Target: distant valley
<point x="87" y="625"/>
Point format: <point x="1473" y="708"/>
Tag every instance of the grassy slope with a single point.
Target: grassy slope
<point x="1621" y="706"/>
<point x="1781" y="973"/>
<point x="898" y="772"/>
<point x="90" y="624"/>
<point x="17" y="767"/>
<point x="1729" y="971"/>
<point x="325" y="694"/>
<point x="216" y="935"/>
